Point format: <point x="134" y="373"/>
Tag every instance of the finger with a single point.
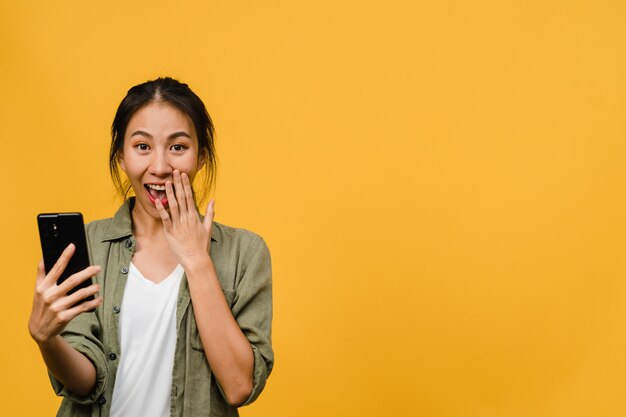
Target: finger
<point x="41" y="272"/>
<point x="69" y="314"/>
<point x="209" y="215"/>
<point x="165" y="218"/>
<point x="60" y="264"/>
<point x="77" y="278"/>
<point x="188" y="189"/>
<point x="65" y="303"/>
<point x="180" y="192"/>
<point x="172" y="203"/>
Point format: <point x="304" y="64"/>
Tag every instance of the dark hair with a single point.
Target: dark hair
<point x="179" y="95"/>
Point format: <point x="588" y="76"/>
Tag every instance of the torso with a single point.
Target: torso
<point x="112" y="244"/>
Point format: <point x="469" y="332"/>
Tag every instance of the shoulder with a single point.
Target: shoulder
<point x="95" y="231"/>
<point x="97" y="227"/>
<point x="238" y="248"/>
<point x="222" y="232"/>
<point x="235" y="239"/>
<point x="114" y="228"/>
<point x="242" y="259"/>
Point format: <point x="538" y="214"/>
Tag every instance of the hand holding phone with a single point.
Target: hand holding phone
<point x="64" y="288"/>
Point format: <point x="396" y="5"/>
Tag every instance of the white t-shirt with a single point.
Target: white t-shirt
<point x="147" y="342"/>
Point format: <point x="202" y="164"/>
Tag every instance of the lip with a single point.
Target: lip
<point x="152" y="199"/>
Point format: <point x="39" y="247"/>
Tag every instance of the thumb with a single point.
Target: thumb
<point x="210" y="214"/>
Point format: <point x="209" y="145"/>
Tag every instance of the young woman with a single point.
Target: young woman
<point x="183" y="304"/>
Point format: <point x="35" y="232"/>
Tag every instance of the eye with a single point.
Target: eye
<point x="178" y="147"/>
<point x="142" y="146"/>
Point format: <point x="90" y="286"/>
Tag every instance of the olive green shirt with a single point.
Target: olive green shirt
<point x="242" y="261"/>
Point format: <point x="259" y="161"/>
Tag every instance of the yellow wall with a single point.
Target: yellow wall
<point x="441" y="184"/>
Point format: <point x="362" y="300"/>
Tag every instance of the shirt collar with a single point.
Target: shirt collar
<point x="121" y="226"/>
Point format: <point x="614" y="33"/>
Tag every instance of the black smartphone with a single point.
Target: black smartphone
<point x="56" y="232"/>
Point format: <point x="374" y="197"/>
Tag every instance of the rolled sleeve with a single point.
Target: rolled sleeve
<point x="253" y="311"/>
<point x="81" y="334"/>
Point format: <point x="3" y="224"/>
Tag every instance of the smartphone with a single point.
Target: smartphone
<point x="56" y="232"/>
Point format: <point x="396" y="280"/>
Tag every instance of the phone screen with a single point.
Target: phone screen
<point x="56" y="232"/>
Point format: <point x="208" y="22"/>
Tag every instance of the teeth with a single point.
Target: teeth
<point x="156" y="187"/>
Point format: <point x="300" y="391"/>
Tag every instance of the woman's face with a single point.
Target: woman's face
<point x="158" y="140"/>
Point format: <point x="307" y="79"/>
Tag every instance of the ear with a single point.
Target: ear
<point x="120" y="160"/>
<point x="202" y="160"/>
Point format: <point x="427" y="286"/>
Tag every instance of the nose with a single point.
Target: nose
<point x="160" y="165"/>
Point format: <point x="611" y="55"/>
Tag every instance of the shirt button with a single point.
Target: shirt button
<point x="112" y="356"/>
<point x="116" y="310"/>
<point x="102" y="401"/>
<point x="128" y="243"/>
<point x="124" y="270"/>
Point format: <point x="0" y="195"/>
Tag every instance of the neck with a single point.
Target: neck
<point x="144" y="224"/>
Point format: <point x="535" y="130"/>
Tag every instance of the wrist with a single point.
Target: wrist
<point x="198" y="267"/>
<point x="45" y="344"/>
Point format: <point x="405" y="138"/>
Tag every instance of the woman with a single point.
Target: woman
<point x="183" y="310"/>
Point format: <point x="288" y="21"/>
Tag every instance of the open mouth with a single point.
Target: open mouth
<point x="156" y="192"/>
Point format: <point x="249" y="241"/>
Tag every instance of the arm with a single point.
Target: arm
<point x="227" y="349"/>
<point x="70" y="367"/>
<point x="252" y="308"/>
<point x="51" y="313"/>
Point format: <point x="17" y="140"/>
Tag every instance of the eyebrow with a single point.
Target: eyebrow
<point x="170" y="137"/>
<point x="178" y="135"/>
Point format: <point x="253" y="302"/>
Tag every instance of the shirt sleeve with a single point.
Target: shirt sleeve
<point x="252" y="309"/>
<point x="82" y="334"/>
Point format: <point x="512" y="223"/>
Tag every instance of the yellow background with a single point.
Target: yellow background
<point x="441" y="184"/>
